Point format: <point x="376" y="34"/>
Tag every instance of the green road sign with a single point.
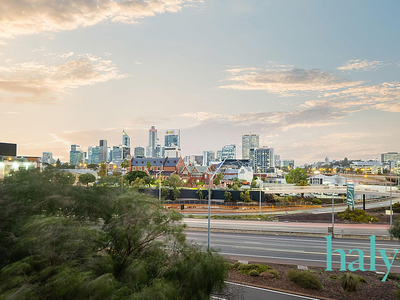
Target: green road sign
<point x="350" y="193"/>
<point x="182" y="206"/>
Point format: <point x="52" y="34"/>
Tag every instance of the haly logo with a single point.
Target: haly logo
<point x="360" y="260"/>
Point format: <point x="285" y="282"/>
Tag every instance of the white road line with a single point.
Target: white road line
<point x="272" y="291"/>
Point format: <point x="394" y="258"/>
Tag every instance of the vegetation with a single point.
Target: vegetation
<point x="254" y="273"/>
<point x="349" y="282"/>
<point x="297" y="176"/>
<point x="60" y="241"/>
<point x="357" y="215"/>
<point x="218" y="178"/>
<point x="304" y="279"/>
<point x="316" y="201"/>
<point x="132" y="176"/>
<point x="85" y="179"/>
<point x="246" y="269"/>
<point x="228" y="196"/>
<point x="199" y="194"/>
<point x="245" y="196"/>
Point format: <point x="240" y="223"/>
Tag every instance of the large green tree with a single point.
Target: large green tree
<point x="297" y="176"/>
<point x="85" y="179"/>
<point x="60" y="241"/>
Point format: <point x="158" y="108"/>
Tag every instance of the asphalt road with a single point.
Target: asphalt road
<point x="360" y="229"/>
<point x="305" y="251"/>
<point x="255" y="293"/>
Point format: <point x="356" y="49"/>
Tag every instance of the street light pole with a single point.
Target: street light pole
<point x="333" y="215"/>
<point x="260" y="182"/>
<point x="159" y="184"/>
<point x="391" y="211"/>
<point x="209" y="205"/>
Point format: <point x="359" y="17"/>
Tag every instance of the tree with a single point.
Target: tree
<point x="237" y="182"/>
<point x="148" y="165"/>
<point x="218" y="178"/>
<point x="125" y="164"/>
<point x="149" y="180"/>
<point x="253" y="184"/>
<point x="96" y="243"/>
<point x="58" y="163"/>
<point x="164" y="192"/>
<point x="199" y="194"/>
<point x="175" y="181"/>
<point x="131" y="176"/>
<point x="93" y="166"/>
<point x="85" y="179"/>
<point x="228" y="196"/>
<point x="103" y="169"/>
<point x="245" y="196"/>
<point x="297" y="176"/>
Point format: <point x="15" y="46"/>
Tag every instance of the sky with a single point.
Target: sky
<point x="312" y="78"/>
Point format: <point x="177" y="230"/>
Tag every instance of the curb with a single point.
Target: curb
<point x="289" y="233"/>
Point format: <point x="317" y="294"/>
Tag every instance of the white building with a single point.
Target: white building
<point x="245" y="174"/>
<point x="335" y="180"/>
<point x="172" y="152"/>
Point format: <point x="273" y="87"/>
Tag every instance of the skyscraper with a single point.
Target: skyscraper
<point x="126" y="140"/>
<point x="76" y="155"/>
<point x="208" y="156"/>
<point x="47" y="158"/>
<point x="139" y="152"/>
<point x="103" y="154"/>
<point x="263" y="159"/>
<point x="173" y="138"/>
<point x="228" y="152"/>
<point x="249" y="141"/>
<point x="94" y="155"/>
<point x="151" y="149"/>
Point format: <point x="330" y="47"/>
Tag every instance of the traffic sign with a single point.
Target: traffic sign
<point x="350" y="193"/>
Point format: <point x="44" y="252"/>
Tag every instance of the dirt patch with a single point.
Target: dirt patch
<point x="372" y="289"/>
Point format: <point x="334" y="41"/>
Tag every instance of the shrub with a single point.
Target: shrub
<point x="274" y="272"/>
<point x="357" y="215"/>
<point x="361" y="279"/>
<point x="236" y="265"/>
<point x="304" y="279"/>
<point x="398" y="294"/>
<point x="333" y="277"/>
<point x="396" y="207"/>
<point x="349" y="282"/>
<point x="254" y="273"/>
<point x="245" y="269"/>
<point x="228" y="196"/>
<point x="393" y="276"/>
<point x="229" y="266"/>
<point x="316" y="201"/>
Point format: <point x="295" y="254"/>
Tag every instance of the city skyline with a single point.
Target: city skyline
<point x="312" y="79"/>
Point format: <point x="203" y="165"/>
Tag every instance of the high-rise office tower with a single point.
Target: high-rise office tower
<point x="249" y="141"/>
<point x="228" y="152"/>
<point x="151" y="148"/>
<point x="94" y="154"/>
<point x="173" y="138"/>
<point x="208" y="156"/>
<point x="126" y="140"/>
<point x="263" y="159"/>
<point x="103" y="155"/>
<point x="76" y="155"/>
<point x="139" y="152"/>
<point x="47" y="158"/>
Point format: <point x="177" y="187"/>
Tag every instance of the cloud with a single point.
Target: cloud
<point x="286" y="81"/>
<point x="40" y="82"/>
<point x="39" y="49"/>
<point x="66" y="55"/>
<point x="357" y="64"/>
<point x="137" y="63"/>
<point x="2" y="42"/>
<point x="31" y="17"/>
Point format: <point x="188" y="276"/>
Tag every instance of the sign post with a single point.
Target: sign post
<point x="350" y="194"/>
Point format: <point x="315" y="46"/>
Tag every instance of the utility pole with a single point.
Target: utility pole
<point x="209" y="204"/>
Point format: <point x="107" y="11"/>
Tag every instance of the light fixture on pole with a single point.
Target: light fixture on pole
<point x="260" y="185"/>
<point x="209" y="203"/>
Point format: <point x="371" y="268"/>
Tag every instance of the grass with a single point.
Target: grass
<point x="236" y="217"/>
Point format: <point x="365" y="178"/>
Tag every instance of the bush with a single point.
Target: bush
<point x="357" y="215"/>
<point x="304" y="279"/>
<point x="333" y="277"/>
<point x="236" y="265"/>
<point x="228" y="196"/>
<point x="362" y="279"/>
<point x="245" y="269"/>
<point x="274" y="272"/>
<point x="229" y="266"/>
<point x="254" y="273"/>
<point x="398" y="294"/>
<point x="396" y="207"/>
<point x="393" y="276"/>
<point x="316" y="201"/>
<point x="349" y="282"/>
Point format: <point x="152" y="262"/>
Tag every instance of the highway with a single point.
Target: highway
<point x="299" y="227"/>
<point x="305" y="251"/>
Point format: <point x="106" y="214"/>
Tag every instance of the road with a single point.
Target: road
<point x="357" y="229"/>
<point x="293" y="250"/>
<point x="256" y="293"/>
